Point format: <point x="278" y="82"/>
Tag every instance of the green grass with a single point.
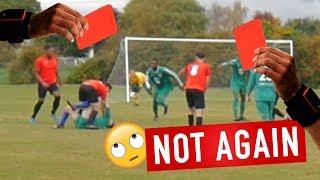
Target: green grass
<point x="4" y="76"/>
<point x="39" y="152"/>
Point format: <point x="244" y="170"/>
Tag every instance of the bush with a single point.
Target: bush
<point x="96" y="68"/>
<point x="101" y="65"/>
<point x="21" y="69"/>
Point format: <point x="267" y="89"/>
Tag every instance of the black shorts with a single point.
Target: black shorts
<point x="88" y="93"/>
<point x="195" y="99"/>
<point x="42" y="91"/>
<point x="135" y="88"/>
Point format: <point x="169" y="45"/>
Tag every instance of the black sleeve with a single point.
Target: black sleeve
<point x="15" y="32"/>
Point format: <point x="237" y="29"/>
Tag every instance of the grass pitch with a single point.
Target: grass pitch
<point x="39" y="152"/>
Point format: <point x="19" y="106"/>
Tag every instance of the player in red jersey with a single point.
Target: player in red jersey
<point x="92" y="96"/>
<point x="47" y="75"/>
<point x="198" y="76"/>
<point x="91" y="91"/>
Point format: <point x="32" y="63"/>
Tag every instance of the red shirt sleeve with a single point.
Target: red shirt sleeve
<point x="188" y="69"/>
<point x="103" y="92"/>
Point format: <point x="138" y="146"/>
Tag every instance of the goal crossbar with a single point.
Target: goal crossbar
<point x="132" y="38"/>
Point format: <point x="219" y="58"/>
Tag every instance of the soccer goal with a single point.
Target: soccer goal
<point x="175" y="53"/>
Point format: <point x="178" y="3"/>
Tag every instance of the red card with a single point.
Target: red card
<point x="102" y="24"/>
<point x="249" y="36"/>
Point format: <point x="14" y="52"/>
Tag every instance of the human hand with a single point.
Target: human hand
<point x="45" y="85"/>
<point x="58" y="19"/>
<point x="281" y="69"/>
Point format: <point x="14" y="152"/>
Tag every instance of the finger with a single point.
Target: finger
<point x="82" y="20"/>
<point x="269" y="63"/>
<point x="69" y="25"/>
<point x="268" y="72"/>
<point x="271" y="56"/>
<point x="71" y="18"/>
<point x="272" y="50"/>
<point x="63" y="32"/>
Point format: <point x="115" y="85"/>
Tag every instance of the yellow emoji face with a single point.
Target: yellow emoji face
<point x="125" y="145"/>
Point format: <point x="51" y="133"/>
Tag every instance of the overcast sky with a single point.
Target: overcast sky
<point x="282" y="8"/>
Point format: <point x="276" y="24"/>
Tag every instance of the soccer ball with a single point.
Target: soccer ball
<point x="132" y="94"/>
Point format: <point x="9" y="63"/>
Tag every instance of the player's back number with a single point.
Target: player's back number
<point x="264" y="78"/>
<point x="194" y="70"/>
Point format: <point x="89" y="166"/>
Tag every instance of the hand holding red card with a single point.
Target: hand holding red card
<point x="102" y="24"/>
<point x="249" y="36"/>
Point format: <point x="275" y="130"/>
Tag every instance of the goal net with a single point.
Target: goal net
<point x="175" y="53"/>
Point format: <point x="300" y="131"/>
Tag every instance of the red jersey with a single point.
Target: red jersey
<point x="197" y="73"/>
<point x="101" y="89"/>
<point x="47" y="69"/>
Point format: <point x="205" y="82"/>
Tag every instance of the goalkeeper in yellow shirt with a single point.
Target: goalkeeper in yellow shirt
<point x="137" y="81"/>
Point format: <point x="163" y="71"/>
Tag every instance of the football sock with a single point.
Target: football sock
<point x="136" y="99"/>
<point x="190" y="119"/>
<point x="199" y="120"/>
<point x="165" y="111"/>
<point x="242" y="107"/>
<point x="235" y="106"/>
<point x="92" y="117"/>
<point x="64" y="118"/>
<point x="36" y="108"/>
<point x="276" y="111"/>
<point x="155" y="109"/>
<point x="55" y="104"/>
<point x="107" y="114"/>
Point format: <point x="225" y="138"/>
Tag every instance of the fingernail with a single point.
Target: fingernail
<point x="254" y="59"/>
<point x="81" y="33"/>
<point x="86" y="27"/>
<point x="255" y="70"/>
<point x="72" y="40"/>
<point x="256" y="51"/>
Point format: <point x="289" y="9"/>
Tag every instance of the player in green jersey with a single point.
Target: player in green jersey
<point x="265" y="95"/>
<point x="238" y="84"/>
<point x="160" y="78"/>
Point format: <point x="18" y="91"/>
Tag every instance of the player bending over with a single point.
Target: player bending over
<point x="137" y="81"/>
<point x="80" y="113"/>
<point x="90" y="92"/>
<point x="198" y="76"/>
<point x="265" y="94"/>
<point x="160" y="78"/>
<point x="46" y="68"/>
<point x="238" y="84"/>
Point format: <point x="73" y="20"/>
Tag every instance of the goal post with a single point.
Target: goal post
<point x="127" y="40"/>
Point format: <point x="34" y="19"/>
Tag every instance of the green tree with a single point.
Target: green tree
<point x="273" y="29"/>
<point x="29" y="5"/>
<point x="7" y="54"/>
<point x="309" y="26"/>
<point x="100" y="66"/>
<point x="21" y="69"/>
<point x="174" y="18"/>
<point x="226" y="18"/>
<point x="307" y="58"/>
<point x="64" y="46"/>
